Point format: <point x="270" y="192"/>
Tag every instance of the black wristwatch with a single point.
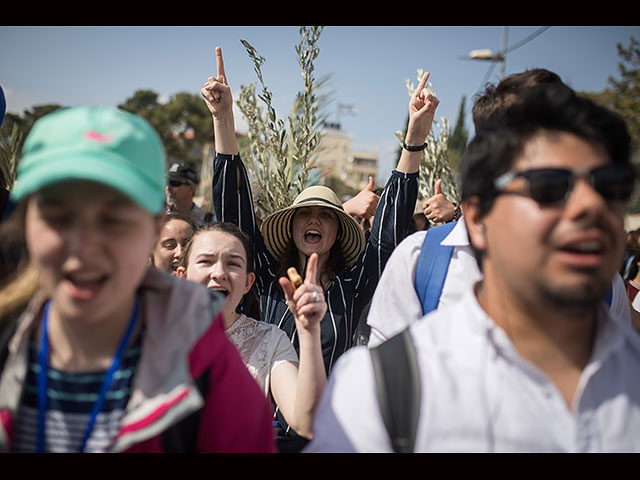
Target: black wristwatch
<point x="414" y="148"/>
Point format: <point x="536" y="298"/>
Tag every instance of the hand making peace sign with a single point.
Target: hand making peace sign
<point x="422" y="109"/>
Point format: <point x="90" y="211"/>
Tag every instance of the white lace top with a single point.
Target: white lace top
<point x="263" y="347"/>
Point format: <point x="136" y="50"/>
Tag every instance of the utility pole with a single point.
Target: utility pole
<point x="504" y="51"/>
<point x="501" y="56"/>
<point x="488" y="55"/>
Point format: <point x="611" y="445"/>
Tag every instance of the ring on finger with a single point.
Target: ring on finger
<point x="315" y="298"/>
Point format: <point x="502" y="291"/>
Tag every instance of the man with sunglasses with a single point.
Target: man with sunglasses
<point x="401" y="296"/>
<point x="529" y="359"/>
<point x="181" y="188"/>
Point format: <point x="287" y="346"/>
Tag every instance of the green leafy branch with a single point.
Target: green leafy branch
<point x="10" y="146"/>
<point x="278" y="159"/>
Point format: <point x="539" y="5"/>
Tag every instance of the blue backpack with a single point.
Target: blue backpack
<point x="432" y="267"/>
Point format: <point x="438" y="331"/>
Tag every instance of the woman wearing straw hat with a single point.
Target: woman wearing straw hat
<point x="348" y="267"/>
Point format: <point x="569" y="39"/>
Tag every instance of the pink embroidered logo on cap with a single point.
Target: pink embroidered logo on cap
<point x="97" y="137"/>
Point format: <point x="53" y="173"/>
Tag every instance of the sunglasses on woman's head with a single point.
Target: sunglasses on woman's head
<point x="552" y="185"/>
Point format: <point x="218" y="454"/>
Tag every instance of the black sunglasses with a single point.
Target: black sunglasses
<point x="176" y="183"/>
<point x="552" y="185"/>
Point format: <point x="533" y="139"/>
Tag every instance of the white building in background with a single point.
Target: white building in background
<point x="336" y="160"/>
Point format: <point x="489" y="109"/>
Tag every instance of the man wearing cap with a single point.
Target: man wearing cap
<point x="180" y="190"/>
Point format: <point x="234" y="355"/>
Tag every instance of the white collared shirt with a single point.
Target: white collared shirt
<point x="479" y="394"/>
<point x="395" y="303"/>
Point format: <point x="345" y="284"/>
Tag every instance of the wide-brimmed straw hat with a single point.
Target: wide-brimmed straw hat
<point x="277" y="227"/>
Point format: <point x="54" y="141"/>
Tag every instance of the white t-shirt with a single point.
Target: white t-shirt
<point x="263" y="347"/>
<point x="479" y="394"/>
<point x="395" y="303"/>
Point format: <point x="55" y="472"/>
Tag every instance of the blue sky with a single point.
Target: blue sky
<point x="367" y="66"/>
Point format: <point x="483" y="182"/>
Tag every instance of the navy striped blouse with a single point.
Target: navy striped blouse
<point x="353" y="287"/>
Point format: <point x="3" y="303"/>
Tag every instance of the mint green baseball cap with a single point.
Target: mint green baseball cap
<point x="100" y="144"/>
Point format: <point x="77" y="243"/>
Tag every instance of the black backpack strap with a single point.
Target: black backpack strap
<point x="398" y="388"/>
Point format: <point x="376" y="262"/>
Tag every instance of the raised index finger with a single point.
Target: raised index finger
<point x="220" y="63"/>
<point x="423" y="82"/>
<point x="312" y="269"/>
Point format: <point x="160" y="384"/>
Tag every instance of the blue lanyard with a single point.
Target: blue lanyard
<point x="43" y="361"/>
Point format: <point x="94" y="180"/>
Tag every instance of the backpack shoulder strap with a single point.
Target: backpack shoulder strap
<point x="609" y="297"/>
<point x="433" y="263"/>
<point x="398" y="389"/>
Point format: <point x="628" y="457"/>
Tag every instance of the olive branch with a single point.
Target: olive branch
<point x="279" y="159"/>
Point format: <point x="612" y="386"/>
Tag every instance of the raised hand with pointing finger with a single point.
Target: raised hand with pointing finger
<point x="217" y="95"/>
<point x="216" y="91"/>
<point x="422" y="109"/>
<point x="306" y="302"/>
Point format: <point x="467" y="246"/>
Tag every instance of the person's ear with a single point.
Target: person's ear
<point x="159" y="222"/>
<point x="180" y="272"/>
<point x="474" y="222"/>
<point x="251" y="277"/>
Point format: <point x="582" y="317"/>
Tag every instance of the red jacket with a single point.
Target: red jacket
<point x="192" y="391"/>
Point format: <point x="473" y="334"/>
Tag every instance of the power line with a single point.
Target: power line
<point x="527" y="39"/>
<point x="502" y="55"/>
<point x="487" y="75"/>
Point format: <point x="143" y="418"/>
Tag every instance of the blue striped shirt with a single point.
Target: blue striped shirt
<point x="70" y="398"/>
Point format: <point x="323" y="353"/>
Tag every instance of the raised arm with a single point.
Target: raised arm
<point x="217" y="95"/>
<point x="422" y="109"/>
<point x="231" y="190"/>
<point x="398" y="199"/>
<point x="298" y="391"/>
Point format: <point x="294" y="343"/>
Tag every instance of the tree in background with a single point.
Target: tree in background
<point x="15" y="129"/>
<point x="459" y="138"/>
<point x="184" y="125"/>
<point x="624" y="97"/>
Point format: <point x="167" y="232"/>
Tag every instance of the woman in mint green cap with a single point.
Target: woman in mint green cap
<point x="108" y="354"/>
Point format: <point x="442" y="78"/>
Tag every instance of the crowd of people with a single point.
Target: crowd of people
<point x="132" y="321"/>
